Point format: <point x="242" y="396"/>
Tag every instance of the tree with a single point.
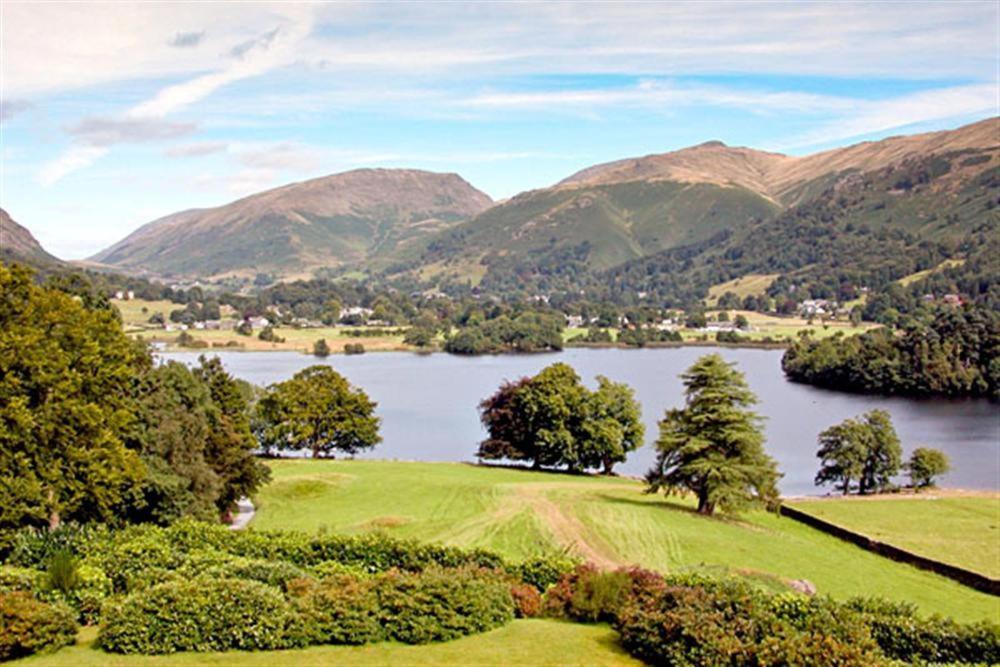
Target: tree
<point x="612" y="426"/>
<point x="551" y="419"/>
<point x="864" y="450"/>
<point x="419" y="336"/>
<point x="321" y="349"/>
<point x="65" y="384"/>
<point x="317" y="409"/>
<point x="842" y="452"/>
<point x="742" y="322"/>
<point x="714" y="446"/>
<point x="925" y="464"/>
<point x="230" y="444"/>
<point x="884" y="455"/>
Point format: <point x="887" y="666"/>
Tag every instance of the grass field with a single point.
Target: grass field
<point x="920" y="275"/>
<point x="754" y="284"/>
<point x="962" y="530"/>
<point x="298" y="340"/>
<point x="606" y="520"/>
<point x="524" y="642"/>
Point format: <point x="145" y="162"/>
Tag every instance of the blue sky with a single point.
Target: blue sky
<point x="114" y="114"/>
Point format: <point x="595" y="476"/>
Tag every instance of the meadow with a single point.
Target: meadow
<point x="607" y="520"/>
<point x="959" y="529"/>
<point x="523" y="642"/>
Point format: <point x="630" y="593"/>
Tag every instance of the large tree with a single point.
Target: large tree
<point x="318" y="410"/>
<point x="714" y="446"/>
<point x="864" y="450"/>
<point x="925" y="464"/>
<point x="842" y="451"/>
<point x="66" y="379"/>
<point x="552" y="420"/>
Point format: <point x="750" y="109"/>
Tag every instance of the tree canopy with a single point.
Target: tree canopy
<point x="552" y="420"/>
<point x="864" y="450"/>
<point x="925" y="464"/>
<point x="317" y="410"/>
<point x="714" y="446"/>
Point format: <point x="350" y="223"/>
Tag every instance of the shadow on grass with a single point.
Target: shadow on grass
<point x="671" y="505"/>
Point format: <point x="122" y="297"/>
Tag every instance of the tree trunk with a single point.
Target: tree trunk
<point x="608" y="465"/>
<point x="54" y="519"/>
<point x="705" y="507"/>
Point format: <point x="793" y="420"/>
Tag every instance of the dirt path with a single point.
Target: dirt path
<point x="244" y="513"/>
<point x="567" y="530"/>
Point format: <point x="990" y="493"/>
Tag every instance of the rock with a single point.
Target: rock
<point x="803" y="586"/>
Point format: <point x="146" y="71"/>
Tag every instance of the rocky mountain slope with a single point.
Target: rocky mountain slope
<point x="333" y="221"/>
<point x="17" y="243"/>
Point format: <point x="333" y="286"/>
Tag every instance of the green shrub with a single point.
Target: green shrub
<point x="200" y="614"/>
<point x="543" y="571"/>
<point x="733" y="624"/>
<point x="441" y="604"/>
<point x="28" y="625"/>
<point x="338" y="610"/>
<point x="588" y="594"/>
<point x="274" y="573"/>
<point x="13" y="578"/>
<point x="61" y="574"/>
<point x="332" y="568"/>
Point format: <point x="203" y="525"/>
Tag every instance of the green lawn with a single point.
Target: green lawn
<point x="524" y="642"/>
<point x="606" y="520"/>
<point x="960" y="530"/>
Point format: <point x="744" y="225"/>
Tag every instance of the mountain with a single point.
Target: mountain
<point x="345" y="219"/>
<point x="612" y="214"/>
<point x="17" y="243"/>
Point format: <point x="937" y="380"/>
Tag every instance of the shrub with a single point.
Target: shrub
<point x="199" y="614"/>
<point x="332" y="568"/>
<point x="338" y="610"/>
<point x="30" y="625"/>
<point x="904" y="636"/>
<point x="527" y="600"/>
<point x="275" y="573"/>
<point x="61" y="574"/>
<point x="13" y="578"/>
<point x="543" y="571"/>
<point x="441" y="604"/>
<point x="588" y="594"/>
<point x="731" y="623"/>
<point x="354" y="348"/>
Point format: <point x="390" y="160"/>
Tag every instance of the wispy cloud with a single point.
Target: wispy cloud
<point x="97" y="131"/>
<point x="867" y="117"/>
<point x="71" y="160"/>
<point x="199" y="149"/>
<point x="187" y="40"/>
<point x="11" y="108"/>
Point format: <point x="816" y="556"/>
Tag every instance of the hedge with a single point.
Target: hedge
<point x="200" y="614"/>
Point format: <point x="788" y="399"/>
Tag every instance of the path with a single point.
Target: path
<point x="244" y="513"/>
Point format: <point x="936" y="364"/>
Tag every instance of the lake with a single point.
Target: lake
<point x="428" y="404"/>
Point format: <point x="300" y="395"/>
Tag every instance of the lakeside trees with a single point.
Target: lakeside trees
<point x="91" y="430"/>
<point x="552" y="420"/>
<point x="955" y="354"/>
<point x="924" y="465"/>
<point x="864" y="450"/>
<point x="318" y="410"/>
<point x="714" y="445"/>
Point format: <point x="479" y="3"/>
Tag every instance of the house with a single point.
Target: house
<point x="953" y="299"/>
<point x="811" y="307"/>
<point x="574" y="320"/>
<point x="355" y="310"/>
<point x="258" y="322"/>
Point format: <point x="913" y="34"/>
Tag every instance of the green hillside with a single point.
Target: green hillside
<point x="605" y="520"/>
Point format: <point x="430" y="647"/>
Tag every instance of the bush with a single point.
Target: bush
<point x="13" y="578"/>
<point x="442" y="604"/>
<point x="587" y="594"/>
<point x="902" y="635"/>
<point x="338" y="610"/>
<point x="273" y="573"/>
<point x="30" y="626"/>
<point x="354" y="348"/>
<point x="731" y="623"/>
<point x="201" y="614"/>
<point x="527" y="600"/>
<point x="543" y="571"/>
<point x="331" y="568"/>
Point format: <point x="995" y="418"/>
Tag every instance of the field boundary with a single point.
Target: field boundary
<point x="969" y="578"/>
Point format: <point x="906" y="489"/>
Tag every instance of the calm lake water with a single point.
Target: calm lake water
<point x="428" y="404"/>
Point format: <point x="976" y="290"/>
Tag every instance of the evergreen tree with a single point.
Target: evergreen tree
<point x="714" y="446"/>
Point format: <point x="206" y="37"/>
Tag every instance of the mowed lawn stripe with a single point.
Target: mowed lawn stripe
<point x="474" y="506"/>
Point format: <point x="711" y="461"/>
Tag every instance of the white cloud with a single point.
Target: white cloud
<point x="199" y="149"/>
<point x="867" y="117"/>
<point x="73" y="159"/>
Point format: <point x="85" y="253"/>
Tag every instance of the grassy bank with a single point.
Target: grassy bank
<point x="605" y="520"/>
<point x="524" y="642"/>
<point x="962" y="530"/>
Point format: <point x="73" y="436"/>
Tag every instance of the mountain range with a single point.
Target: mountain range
<point x="708" y="213"/>
<point x="16" y="242"/>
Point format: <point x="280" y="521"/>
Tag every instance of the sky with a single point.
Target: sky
<point x="114" y="114"/>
